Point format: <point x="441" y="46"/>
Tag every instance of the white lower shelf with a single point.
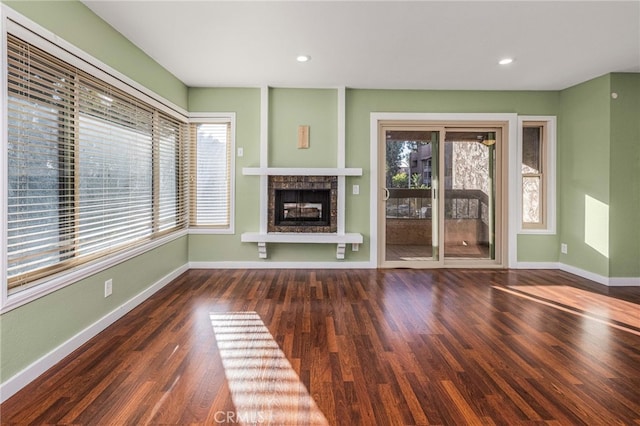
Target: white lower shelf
<point x="307" y="238"/>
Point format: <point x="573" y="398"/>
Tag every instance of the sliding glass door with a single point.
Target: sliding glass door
<point x="469" y="194"/>
<point x="439" y="195"/>
<point x="411" y="229"/>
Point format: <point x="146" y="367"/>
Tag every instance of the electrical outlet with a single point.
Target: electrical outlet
<point x="108" y="287"/>
<point x="563" y="248"/>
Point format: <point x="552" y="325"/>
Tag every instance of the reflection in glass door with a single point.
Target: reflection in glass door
<point x="469" y="194"/>
<point x="411" y="230"/>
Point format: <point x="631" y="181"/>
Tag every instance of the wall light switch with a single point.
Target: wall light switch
<point x="240" y="152"/>
<point x="356" y="189"/>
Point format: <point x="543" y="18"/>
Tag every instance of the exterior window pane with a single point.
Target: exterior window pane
<point x="34" y="193"/>
<point x="531" y="200"/>
<point x="537" y="198"/>
<point x="531" y="150"/>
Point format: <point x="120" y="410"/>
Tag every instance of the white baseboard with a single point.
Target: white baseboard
<point x="31" y="372"/>
<point x="601" y="279"/>
<point x="624" y="281"/>
<point x="281" y="265"/>
<point x="608" y="281"/>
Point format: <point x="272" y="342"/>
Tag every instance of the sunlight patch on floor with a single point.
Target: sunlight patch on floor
<point x="264" y="387"/>
<point x="584" y="303"/>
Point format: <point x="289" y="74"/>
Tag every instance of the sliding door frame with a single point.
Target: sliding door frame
<point x="507" y="173"/>
<point x="437" y="225"/>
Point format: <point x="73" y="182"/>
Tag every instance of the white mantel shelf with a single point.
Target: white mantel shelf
<point x="301" y="171"/>
<point x="299" y="237"/>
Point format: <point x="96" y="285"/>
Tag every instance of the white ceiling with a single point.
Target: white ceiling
<point x="383" y="44"/>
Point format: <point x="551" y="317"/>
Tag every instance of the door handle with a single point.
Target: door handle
<point x="386" y="194"/>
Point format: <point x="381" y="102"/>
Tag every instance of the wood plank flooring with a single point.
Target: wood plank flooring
<point x="355" y="347"/>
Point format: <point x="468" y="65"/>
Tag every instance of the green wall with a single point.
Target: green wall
<point x="597" y="152"/>
<point x="289" y="108"/>
<point x="77" y="24"/>
<point x="583" y="173"/>
<point x="599" y="175"/>
<point x="624" y="183"/>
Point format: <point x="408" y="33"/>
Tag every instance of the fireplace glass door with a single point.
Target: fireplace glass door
<point x="302" y="207"/>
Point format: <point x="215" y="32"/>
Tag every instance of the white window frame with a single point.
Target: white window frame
<point x="549" y="171"/>
<point x="213" y="118"/>
<point x="26" y="29"/>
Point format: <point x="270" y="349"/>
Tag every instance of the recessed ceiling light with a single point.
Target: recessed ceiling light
<point x="303" y="58"/>
<point x="505" y="61"/>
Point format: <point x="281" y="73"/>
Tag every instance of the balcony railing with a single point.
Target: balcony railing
<point x="416" y="203"/>
<point x="409" y="213"/>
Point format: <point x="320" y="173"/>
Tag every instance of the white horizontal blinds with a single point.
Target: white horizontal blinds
<point x="40" y="130"/>
<point x="82" y="160"/>
<point x="211" y="167"/>
<point x="172" y="170"/>
<point x="115" y="168"/>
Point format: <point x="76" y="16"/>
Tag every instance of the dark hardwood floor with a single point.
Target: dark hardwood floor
<point x="355" y="347"/>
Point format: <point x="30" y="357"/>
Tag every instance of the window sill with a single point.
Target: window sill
<point x="63" y="279"/>
<point x="211" y="231"/>
<point x="534" y="231"/>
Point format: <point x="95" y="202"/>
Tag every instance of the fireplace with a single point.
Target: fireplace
<point x="302" y="207"/>
<point x="302" y="204"/>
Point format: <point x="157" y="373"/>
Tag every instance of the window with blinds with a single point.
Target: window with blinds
<point x="92" y="170"/>
<point x="211" y="175"/>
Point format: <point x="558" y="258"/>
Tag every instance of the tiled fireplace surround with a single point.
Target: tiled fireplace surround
<point x="301" y="183"/>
